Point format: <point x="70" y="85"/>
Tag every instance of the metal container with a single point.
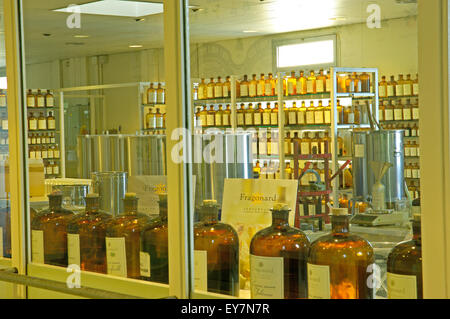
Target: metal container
<point x="359" y="165"/>
<point x="387" y="146"/>
<point x="134" y="154"/>
<point x="73" y="195"/>
<point x="231" y="158"/>
<point x="111" y="187"/>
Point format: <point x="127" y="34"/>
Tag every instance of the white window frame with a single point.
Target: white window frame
<point x="279" y="43"/>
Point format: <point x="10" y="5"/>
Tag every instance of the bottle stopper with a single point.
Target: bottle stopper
<point x="210" y="202"/>
<point x="130" y="195"/>
<point x="281" y="202"/>
<point x="92" y="195"/>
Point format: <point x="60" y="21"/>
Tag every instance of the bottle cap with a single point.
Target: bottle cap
<point x="130" y="195"/>
<point x="209" y="202"/>
<point x="92" y="195"/>
<point x="339" y="211"/>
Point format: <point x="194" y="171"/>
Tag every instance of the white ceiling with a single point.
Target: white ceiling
<point x="217" y="20"/>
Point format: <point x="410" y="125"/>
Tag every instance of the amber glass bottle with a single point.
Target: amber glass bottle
<point x="338" y="263"/>
<point x="86" y="234"/>
<point x="278" y="257"/>
<point x="217" y="250"/>
<point x="404" y="267"/>
<point x="154" y="247"/>
<point x="49" y="233"/>
<point x="123" y="240"/>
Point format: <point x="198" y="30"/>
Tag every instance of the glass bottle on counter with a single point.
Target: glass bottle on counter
<point x="216" y="253"/>
<point x="210" y="89"/>
<point x="338" y="263"/>
<point x="404" y="267"/>
<point x="123" y="240"/>
<point x="86" y="233"/>
<point x="154" y="254"/>
<point x="49" y="233"/>
<point x="278" y="256"/>
<point x="218" y="88"/>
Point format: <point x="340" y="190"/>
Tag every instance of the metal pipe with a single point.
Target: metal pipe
<point x="10" y="275"/>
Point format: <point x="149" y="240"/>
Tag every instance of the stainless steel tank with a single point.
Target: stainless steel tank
<point x="134" y="154"/>
<point x="387" y="146"/>
<point x="359" y="165"/>
<point x="111" y="187"/>
<point x="218" y="156"/>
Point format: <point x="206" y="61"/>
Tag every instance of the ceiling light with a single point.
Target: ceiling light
<point x="338" y="19"/>
<point x="136" y="46"/>
<point x="249" y="31"/>
<point x="81" y="36"/>
<point x="118" y="8"/>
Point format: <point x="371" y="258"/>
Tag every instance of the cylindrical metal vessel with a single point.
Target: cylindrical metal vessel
<point x="359" y="165"/>
<point x="134" y="154"/>
<point x="387" y="146"/>
<point x="111" y="187"/>
<point x="219" y="156"/>
<point x="73" y="195"/>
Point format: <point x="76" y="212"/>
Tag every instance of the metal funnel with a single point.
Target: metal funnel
<point x="380" y="169"/>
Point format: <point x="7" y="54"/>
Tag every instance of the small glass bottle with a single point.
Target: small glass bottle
<point x="42" y="122"/>
<point x="258" y="115"/>
<point x="217" y="250"/>
<point x="292" y="84"/>
<point x="32" y="123"/>
<point x="210" y="89"/>
<point x="365" y="82"/>
<point x="31" y="99"/>
<point x="260" y="89"/>
<point x="338" y="263"/>
<point x="311" y="85"/>
<point x="278" y="256"/>
<point x="218" y="88"/>
<point x="226" y="88"/>
<point x="404" y="267"/>
<point x="391" y="87"/>
<point x="51" y="122"/>
<point x="40" y="100"/>
<point x="252" y="87"/>
<point x="151" y="94"/>
<point x="160" y="94"/>
<point x="382" y="87"/>
<point x="301" y="84"/>
<point x="244" y="87"/>
<point x="49" y="99"/>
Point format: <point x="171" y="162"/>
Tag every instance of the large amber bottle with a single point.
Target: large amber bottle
<point x="49" y="233"/>
<point x="154" y="247"/>
<point x="404" y="267"/>
<point x="278" y="256"/>
<point x="86" y="234"/>
<point x="338" y="263"/>
<point x="216" y="253"/>
<point x="123" y="240"/>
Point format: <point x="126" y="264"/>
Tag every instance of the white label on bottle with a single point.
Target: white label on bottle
<point x="266" y="118"/>
<point x="415" y="113"/>
<point x="292" y="117"/>
<point x="252" y="90"/>
<point x="351" y="118"/>
<point x="359" y="150"/>
<point x="51" y="124"/>
<point x="37" y="246"/>
<point x="398" y="115"/>
<point x="310" y="117"/>
<point x="407" y="114"/>
<point x="318" y="282"/>
<point x="327" y="117"/>
<point x="268" y="89"/>
<point x="416" y="89"/>
<point x="226" y="120"/>
<point x="407" y="90"/>
<point x="389" y="115"/>
<point x="32" y="155"/>
<point x="382" y="91"/>
<point x="240" y="119"/>
<point x="266" y="277"/>
<point x="401" y="286"/>
<point x="144" y="264"/>
<point x="50" y="102"/>
<point x="210" y="92"/>
<point x="413" y="151"/>
<point x="291" y="90"/>
<point x="42" y="125"/>
<point x="248" y="119"/>
<point x="201" y="270"/>
<point x="116" y="256"/>
<point x="381" y="115"/>
<point x="33" y="125"/>
<point x="38" y="155"/>
<point x="40" y="101"/>
<point x="274" y="148"/>
<point x="399" y="90"/>
<point x="408" y="173"/>
<point x="225" y="92"/>
<point x="257" y="118"/>
<point x="319" y="86"/>
<point x="49" y="170"/>
<point x="304" y="148"/>
<point x="255" y="148"/>
<point x="310" y="86"/>
<point x="274" y="119"/>
<point x="1" y="242"/>
<point x="50" y="153"/>
<point x="390" y="90"/>
<point x="299" y="88"/>
<point x="301" y="117"/>
<point x="260" y="89"/>
<point x="244" y="90"/>
<point x="210" y="120"/>
<point x="56" y="170"/>
<point x="44" y="154"/>
<point x="202" y="120"/>
<point x="73" y="249"/>
<point x="407" y="151"/>
<point x="262" y="148"/>
<point x="311" y="209"/>
<point x="31" y="101"/>
<point x="218" y="91"/>
<point x="318" y="117"/>
<point x="415" y="173"/>
<point x="56" y="154"/>
<point x="4" y="124"/>
<point x="2" y="101"/>
<point x="218" y="118"/>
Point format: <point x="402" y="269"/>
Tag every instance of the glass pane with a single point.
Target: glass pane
<point x="95" y="102"/>
<point x="308" y="178"/>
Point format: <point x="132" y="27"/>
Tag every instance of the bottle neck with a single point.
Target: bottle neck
<point x="92" y="205"/>
<point x="209" y="214"/>
<point x="55" y="202"/>
<point x="163" y="210"/>
<point x="340" y="224"/>
<point x="417" y="236"/>
<point x="130" y="206"/>
<point x="280" y="218"/>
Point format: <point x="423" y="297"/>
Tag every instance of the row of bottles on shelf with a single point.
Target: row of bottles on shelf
<point x="155" y="95"/>
<point x="42" y="122"/>
<point x="95" y="240"/>
<point x="44" y="152"/>
<point x="394" y="110"/>
<point x="39" y="99"/>
<point x="249" y="115"/>
<point x="3" y="98"/>
<point x="413" y="189"/>
<point x="155" y="119"/>
<point x="410" y="130"/>
<point x="41" y="138"/>
<point x="412" y="170"/>
<point x="4" y="121"/>
<point x="292" y="85"/>
<point x="412" y="149"/>
<point x="51" y="168"/>
<point x="401" y="87"/>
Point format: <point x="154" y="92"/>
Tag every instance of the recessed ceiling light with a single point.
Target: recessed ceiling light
<point x="136" y="46"/>
<point x="338" y="19"/>
<point x="81" y="36"/>
<point x="249" y="31"/>
<point x="120" y="8"/>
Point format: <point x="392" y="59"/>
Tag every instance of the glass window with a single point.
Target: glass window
<point x="297" y="191"/>
<point x="96" y="114"/>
